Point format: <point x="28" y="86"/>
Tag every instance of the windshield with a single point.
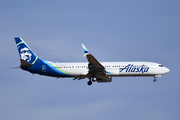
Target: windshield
<point x="160" y="65"/>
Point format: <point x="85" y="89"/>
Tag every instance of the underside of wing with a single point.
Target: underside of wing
<point x="95" y="68"/>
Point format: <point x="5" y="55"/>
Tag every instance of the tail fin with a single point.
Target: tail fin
<point x="27" y="56"/>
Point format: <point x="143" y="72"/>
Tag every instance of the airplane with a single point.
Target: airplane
<point x="93" y="69"/>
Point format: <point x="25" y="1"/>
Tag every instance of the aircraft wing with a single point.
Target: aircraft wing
<point x="95" y="67"/>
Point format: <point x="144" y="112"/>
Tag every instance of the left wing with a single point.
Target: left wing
<point x="96" y="69"/>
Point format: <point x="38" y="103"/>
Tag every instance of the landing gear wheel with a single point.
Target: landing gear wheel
<point x="155" y="80"/>
<point x="94" y="79"/>
<point x="89" y="82"/>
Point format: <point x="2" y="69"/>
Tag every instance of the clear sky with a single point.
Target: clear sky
<point x="112" y="30"/>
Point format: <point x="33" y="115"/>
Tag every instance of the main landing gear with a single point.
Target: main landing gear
<point x="91" y="80"/>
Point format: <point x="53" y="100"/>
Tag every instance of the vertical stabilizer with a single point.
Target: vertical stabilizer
<point x="25" y="52"/>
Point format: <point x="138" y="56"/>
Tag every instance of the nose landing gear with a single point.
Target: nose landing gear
<point x="155" y="80"/>
<point x="156" y="76"/>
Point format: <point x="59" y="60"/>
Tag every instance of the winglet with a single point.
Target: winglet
<point x="84" y="48"/>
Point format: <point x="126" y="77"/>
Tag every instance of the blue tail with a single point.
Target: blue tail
<point x="27" y="56"/>
<point x="30" y="62"/>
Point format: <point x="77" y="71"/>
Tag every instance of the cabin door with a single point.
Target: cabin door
<point x="44" y="68"/>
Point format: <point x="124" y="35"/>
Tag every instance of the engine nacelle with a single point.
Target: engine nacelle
<point x="104" y="79"/>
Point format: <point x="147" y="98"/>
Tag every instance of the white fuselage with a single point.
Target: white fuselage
<point x="115" y="68"/>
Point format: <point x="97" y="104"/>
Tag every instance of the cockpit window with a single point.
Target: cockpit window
<point x="160" y="65"/>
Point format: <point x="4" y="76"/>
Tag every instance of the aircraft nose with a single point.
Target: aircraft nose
<point x="166" y="70"/>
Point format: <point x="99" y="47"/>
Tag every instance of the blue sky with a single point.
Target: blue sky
<point x="112" y="31"/>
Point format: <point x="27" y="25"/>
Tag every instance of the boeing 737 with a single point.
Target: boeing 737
<point x="93" y="69"/>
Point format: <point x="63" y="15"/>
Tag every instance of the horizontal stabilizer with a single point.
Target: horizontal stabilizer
<point x="25" y="63"/>
<point x="14" y="67"/>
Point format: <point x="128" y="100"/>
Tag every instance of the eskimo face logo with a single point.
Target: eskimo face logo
<point x="25" y="54"/>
